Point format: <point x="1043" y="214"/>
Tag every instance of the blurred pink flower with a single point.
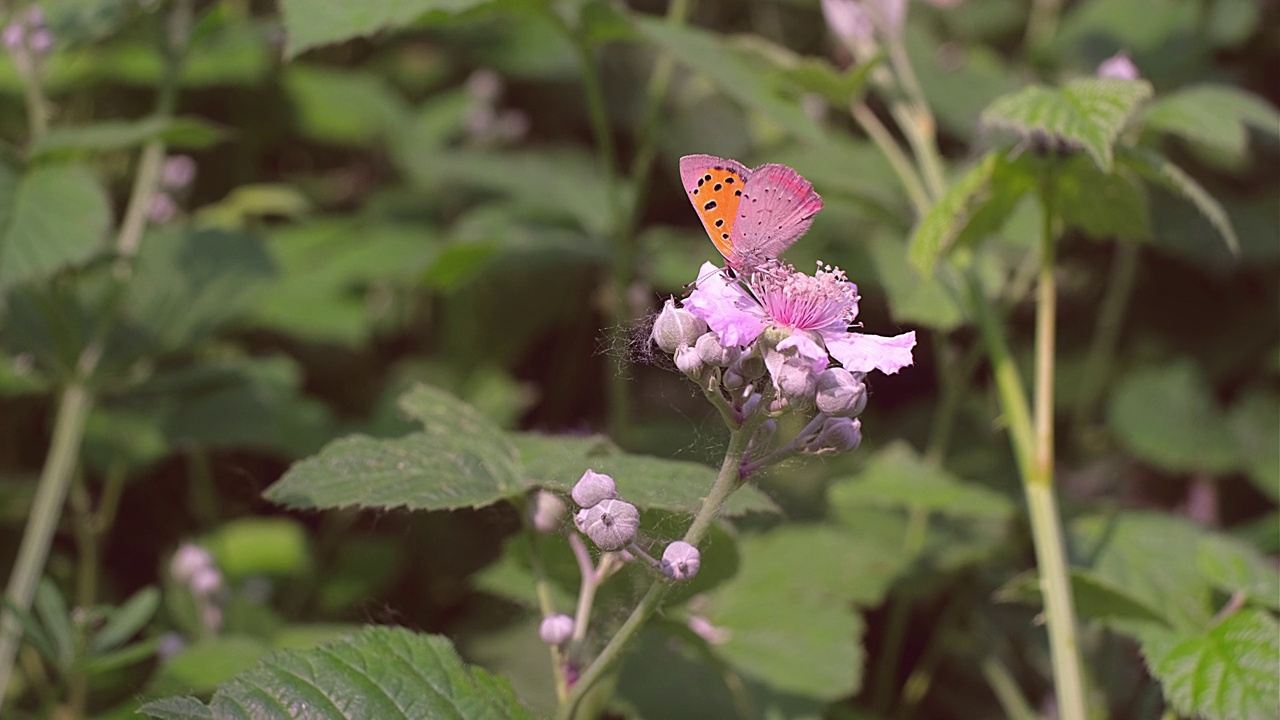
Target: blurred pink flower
<point x="1118" y="66"/>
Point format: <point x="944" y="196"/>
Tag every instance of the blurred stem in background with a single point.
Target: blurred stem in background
<point x="1033" y="442"/>
<point x="77" y="397"/>
<point x="625" y="211"/>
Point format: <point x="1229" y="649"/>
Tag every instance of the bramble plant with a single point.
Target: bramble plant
<point x="360" y="360"/>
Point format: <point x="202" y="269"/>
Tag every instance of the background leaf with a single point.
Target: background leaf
<point x="50" y="217"/>
<point x="309" y="25"/>
<point x="1167" y="417"/>
<point x="1230" y="671"/>
<point x="381" y="672"/>
<point x="557" y="462"/>
<point x="1086" y="113"/>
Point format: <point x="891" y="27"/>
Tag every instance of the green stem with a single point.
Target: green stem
<point x="898" y="160"/>
<point x="33" y="92"/>
<point x="1006" y="690"/>
<point x="1046" y="525"/>
<point x="46" y="509"/>
<point x="587" y="592"/>
<point x="1009" y="388"/>
<point x="1124" y="270"/>
<point x="542" y="586"/>
<point x="727" y="481"/>
<point x="77" y="398"/>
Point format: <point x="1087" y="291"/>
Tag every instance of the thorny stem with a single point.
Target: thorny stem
<point x="727" y="481"/>
<point x="77" y="397"/>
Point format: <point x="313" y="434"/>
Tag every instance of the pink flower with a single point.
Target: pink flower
<point x="813" y="310"/>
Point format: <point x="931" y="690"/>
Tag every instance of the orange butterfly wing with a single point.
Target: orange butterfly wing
<point x="714" y="186"/>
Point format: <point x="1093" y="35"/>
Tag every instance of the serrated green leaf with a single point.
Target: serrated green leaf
<point x="785" y="619"/>
<point x="416" y="472"/>
<point x="556" y="462"/>
<point x="897" y="476"/>
<point x="1151" y="558"/>
<point x="462" y="460"/>
<point x="51" y="217"/>
<point x="1100" y="204"/>
<point x="975" y="204"/>
<point x="1229" y="672"/>
<point x="126" y="620"/>
<point x="1161" y="171"/>
<point x="192" y="133"/>
<point x="1089" y="113"/>
<point x="1214" y="116"/>
<point x="1234" y="567"/>
<point x="310" y="25"/>
<point x="383" y="673"/>
<point x="710" y="54"/>
<point x="1167" y="417"/>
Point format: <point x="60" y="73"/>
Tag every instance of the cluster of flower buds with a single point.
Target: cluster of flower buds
<point x="612" y="524"/>
<point x="778" y="341"/>
<point x="193" y="567"/>
<point x="176" y="175"/>
<point x="28" y="39"/>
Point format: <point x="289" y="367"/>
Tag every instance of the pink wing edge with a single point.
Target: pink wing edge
<point x="747" y="256"/>
<point x="693" y="167"/>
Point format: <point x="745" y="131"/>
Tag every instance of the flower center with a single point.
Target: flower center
<point x="820" y="301"/>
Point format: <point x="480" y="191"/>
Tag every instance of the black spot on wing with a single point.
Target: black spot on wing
<point x="711" y="205"/>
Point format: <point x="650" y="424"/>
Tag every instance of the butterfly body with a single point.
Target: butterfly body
<point x="751" y="214"/>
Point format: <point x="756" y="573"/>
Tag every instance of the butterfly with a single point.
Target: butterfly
<point x="751" y="214"/>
